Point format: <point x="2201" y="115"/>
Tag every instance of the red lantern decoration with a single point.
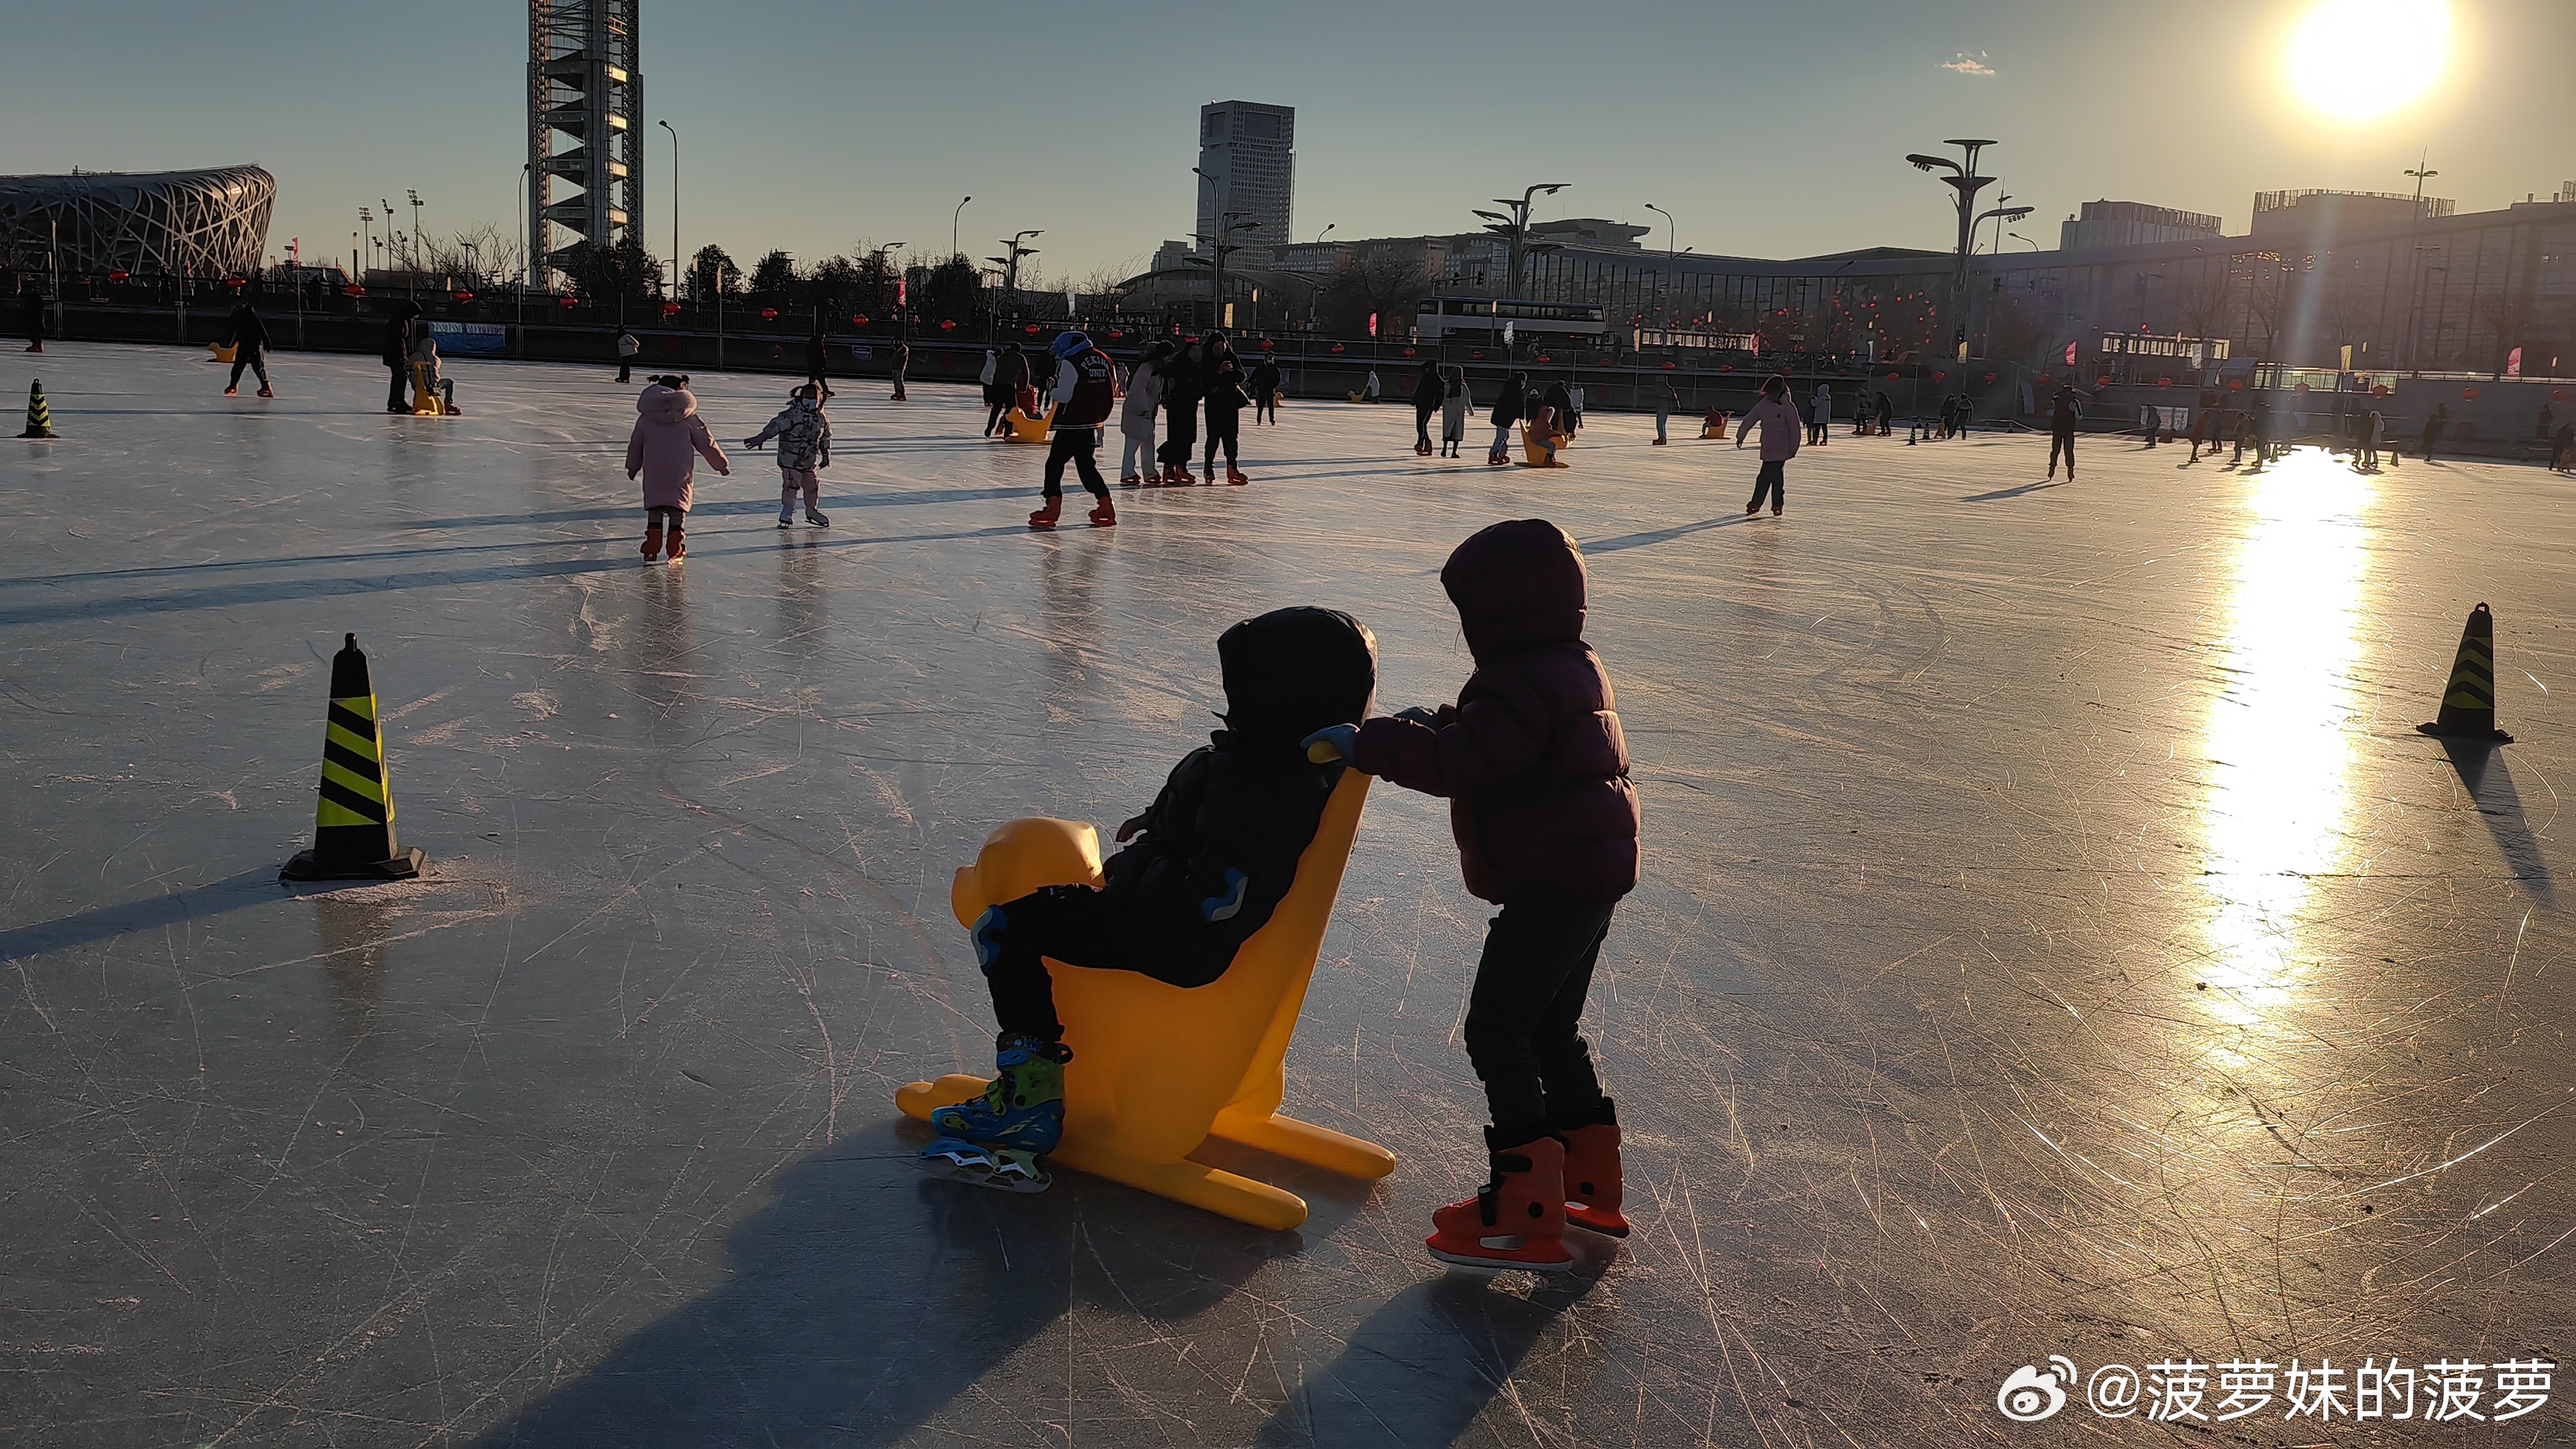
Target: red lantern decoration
<point x="1337" y="347"/>
<point x="2102" y="382"/>
<point x="2045" y="380"/>
<point x="2558" y="394"/>
<point x="2235" y="386"/>
<point x="2302" y="387"/>
<point x="670" y="309"/>
<point x="2469" y="393"/>
<point x="1726" y="367"/>
<point x="236" y="283"/>
<point x="1408" y="352"/>
<point x="1542" y="358"/>
<point x="462" y="296"/>
<point x="768" y="314"/>
<point x="570" y="302"/>
<point x="1990" y="377"/>
<point x="2164" y="382"/>
<point x="858" y="319"/>
<point x="1891" y="377"/>
<point x="947" y="324"/>
<point x="1031" y="329"/>
<point x="353" y="290"/>
<point x="2382" y="391"/>
<point x="118" y="276"/>
<point x="1668" y="367"/>
<point x="1936" y="377"/>
<point x="1476" y="356"/>
<point x="1265" y="342"/>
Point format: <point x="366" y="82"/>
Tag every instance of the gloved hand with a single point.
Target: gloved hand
<point x="1422" y="715"/>
<point x="752" y="443"/>
<point x="1127" y="828"/>
<point x="1332" y="742"/>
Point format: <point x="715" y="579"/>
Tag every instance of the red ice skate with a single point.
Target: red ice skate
<point x="1130" y="481"/>
<point x="679" y="544"/>
<point x="652" y="541"/>
<point x="1102" y="515"/>
<point x="1516" y="1220"/>
<point x="1177" y="476"/>
<point x="1046" y="515"/>
<point x="1593" y="1190"/>
<point x="1235" y="476"/>
<point x="264" y="392"/>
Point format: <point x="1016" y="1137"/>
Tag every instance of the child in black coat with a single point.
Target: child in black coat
<point x="1226" y="401"/>
<point x="1203" y="869"/>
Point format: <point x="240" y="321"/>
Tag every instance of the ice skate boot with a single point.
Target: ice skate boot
<point x="1103" y="515"/>
<point x="1046" y="515"/>
<point x="815" y="517"/>
<point x="1592" y="1183"/>
<point x="1023" y="1108"/>
<point x="1235" y="476"/>
<point x="679" y="544"/>
<point x="999" y="1168"/>
<point x="1421" y="449"/>
<point x="264" y="392"/>
<point x="786" y="519"/>
<point x="652" y="542"/>
<point x="231" y="391"/>
<point x="1516" y="1220"/>
<point x="1131" y="480"/>
<point x="1179" y="477"/>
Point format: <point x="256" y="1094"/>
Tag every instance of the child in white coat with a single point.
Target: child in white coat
<point x="1136" y="416"/>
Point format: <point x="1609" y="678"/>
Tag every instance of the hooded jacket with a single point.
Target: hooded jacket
<point x="1086" y="383"/>
<point x="397" y="349"/>
<point x="1530" y="758"/>
<point x="1782" y="429"/>
<point x="1011" y="371"/>
<point x="1265" y="379"/>
<point x="804" y="437"/>
<point x="249" y="334"/>
<point x="1144" y="396"/>
<point x="1430" y="389"/>
<point x="1455" y="402"/>
<point x="668" y="440"/>
<point x="1219" y="845"/>
<point x="1507" y="407"/>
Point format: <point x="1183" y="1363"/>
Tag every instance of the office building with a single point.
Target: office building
<point x="1248" y="169"/>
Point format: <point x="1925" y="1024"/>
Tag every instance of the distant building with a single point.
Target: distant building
<point x="1249" y="153"/>
<point x="2107" y="224"/>
<point x="2316" y="211"/>
<point x="164" y="223"/>
<point x="585" y="128"/>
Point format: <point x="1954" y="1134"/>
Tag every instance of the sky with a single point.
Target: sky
<point x="816" y="127"/>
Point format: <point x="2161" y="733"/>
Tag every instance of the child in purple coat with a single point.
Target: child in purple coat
<point x="1536" y="773"/>
<point x="668" y="431"/>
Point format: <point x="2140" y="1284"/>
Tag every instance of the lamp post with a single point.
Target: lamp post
<point x="2415" y="235"/>
<point x="1964" y="180"/>
<point x="1672" y="242"/>
<point x="527" y="175"/>
<point x="367" y="224"/>
<point x="885" y="265"/>
<point x="677" y="263"/>
<point x="1012" y="261"/>
<point x="416" y="256"/>
<point x="1514" y="228"/>
<point x="952" y="226"/>
<point x="2415" y="306"/>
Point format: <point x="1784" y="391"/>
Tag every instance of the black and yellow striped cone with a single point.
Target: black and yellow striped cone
<point x="353" y="826"/>
<point x="40" y="418"/>
<point x="2468" y="704"/>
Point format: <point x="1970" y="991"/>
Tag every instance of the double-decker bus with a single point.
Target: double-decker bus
<point x="1481" y="319"/>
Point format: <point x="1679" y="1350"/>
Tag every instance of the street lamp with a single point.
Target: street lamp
<point x="367" y="224"/>
<point x="1514" y="228"/>
<point x="1965" y="180"/>
<point x="1328" y="226"/>
<point x="952" y="225"/>
<point x="2002" y="214"/>
<point x="676" y="262"/>
<point x="1672" y="230"/>
<point x="416" y="257"/>
<point x="2025" y="241"/>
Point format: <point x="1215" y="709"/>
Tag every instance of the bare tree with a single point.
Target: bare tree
<point x="1391" y="287"/>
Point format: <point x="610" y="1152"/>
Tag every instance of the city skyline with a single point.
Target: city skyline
<point x="814" y="147"/>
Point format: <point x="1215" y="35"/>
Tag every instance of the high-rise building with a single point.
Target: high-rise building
<point x="1248" y="157"/>
<point x="584" y="88"/>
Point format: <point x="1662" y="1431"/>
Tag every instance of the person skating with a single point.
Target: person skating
<point x="1535" y="768"/>
<point x="1539" y="415"/>
<point x="668" y="440"/>
<point x="424" y="367"/>
<point x="1886" y="415"/>
<point x="1085" y="391"/>
<point x="1226" y="401"/>
<point x="397" y="355"/>
<point x="902" y="366"/>
<point x="1369" y="389"/>
<point x="804" y="437"/>
<point x="1667" y="398"/>
<point x="1009" y="376"/>
<point x="2065" y="411"/>
<point x="1181" y="383"/>
<point x="1573" y="408"/>
<point x="1429" y="390"/>
<point x="1507" y="412"/>
<point x="818" y="362"/>
<point x="1203" y="868"/>
<point x="249" y="339"/>
<point x="1455" y="400"/>
<point x="1136" y="416"/>
<point x="2439" y="419"/>
<point x="627" y="347"/>
<point x="1822" y="420"/>
<point x="1265" y="391"/>
<point x="31" y="318"/>
<point x="1560" y="406"/>
<point x="2562" y="448"/>
<point x="1779" y="420"/>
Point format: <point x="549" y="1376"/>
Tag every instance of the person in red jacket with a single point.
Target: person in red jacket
<point x="1086" y="388"/>
<point x="1536" y="773"/>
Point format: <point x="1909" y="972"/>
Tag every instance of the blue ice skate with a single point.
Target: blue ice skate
<point x="1022" y="1110"/>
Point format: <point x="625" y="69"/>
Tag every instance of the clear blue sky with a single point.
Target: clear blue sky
<point x="810" y="125"/>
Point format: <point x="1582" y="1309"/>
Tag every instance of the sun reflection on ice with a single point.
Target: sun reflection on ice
<point x="2279" y="742"/>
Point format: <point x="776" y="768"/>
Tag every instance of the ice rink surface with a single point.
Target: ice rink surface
<point x="2055" y="938"/>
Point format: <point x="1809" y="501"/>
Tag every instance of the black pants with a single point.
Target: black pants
<point x="656" y="517"/>
<point x="1267" y="405"/>
<point x="1422" y="424"/>
<point x="395" y="400"/>
<point x="1074" y="445"/>
<point x="626" y="369"/>
<point x="1180" y="436"/>
<point x="1222" y="431"/>
<point x="1774" y="480"/>
<point x="995" y="405"/>
<point x="1524" y="1011"/>
<point x="1072" y="924"/>
<point x="252" y="358"/>
<point x="2061" y="443"/>
<point x="2429" y="435"/>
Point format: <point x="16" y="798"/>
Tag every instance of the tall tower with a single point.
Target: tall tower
<point x="585" y="128"/>
<point x="1250" y="152"/>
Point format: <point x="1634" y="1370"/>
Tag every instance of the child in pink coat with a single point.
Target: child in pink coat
<point x="1780" y="424"/>
<point x="668" y="431"/>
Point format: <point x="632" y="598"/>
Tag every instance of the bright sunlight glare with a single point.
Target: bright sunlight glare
<point x="2361" y="58"/>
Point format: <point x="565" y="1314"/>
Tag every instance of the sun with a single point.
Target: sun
<point x="2361" y="58"/>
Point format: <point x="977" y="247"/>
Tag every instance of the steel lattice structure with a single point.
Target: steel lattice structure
<point x="583" y="87"/>
<point x="173" y="223"/>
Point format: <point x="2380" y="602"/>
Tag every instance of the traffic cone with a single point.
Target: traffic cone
<point x="353" y="825"/>
<point x="2468" y="704"/>
<point x="40" y="418"/>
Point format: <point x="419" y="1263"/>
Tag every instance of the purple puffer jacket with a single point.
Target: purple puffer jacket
<point x="1530" y="757"/>
<point x="668" y="432"/>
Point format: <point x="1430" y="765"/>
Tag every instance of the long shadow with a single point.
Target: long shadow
<point x="1424" y="1366"/>
<point x="2013" y="492"/>
<point x="873" y="498"/>
<point x="224" y="596"/>
<point x="2490" y="785"/>
<point x="867" y="1294"/>
<point x="1663" y="535"/>
<point x="99" y="923"/>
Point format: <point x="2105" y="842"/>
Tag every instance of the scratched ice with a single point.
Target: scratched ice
<point x="2055" y="939"/>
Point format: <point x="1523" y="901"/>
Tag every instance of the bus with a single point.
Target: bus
<point x="1481" y="319"/>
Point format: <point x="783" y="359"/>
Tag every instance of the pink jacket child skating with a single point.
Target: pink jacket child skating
<point x="669" y="438"/>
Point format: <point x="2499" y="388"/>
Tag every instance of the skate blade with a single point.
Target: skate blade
<point x="1609" y="1225"/>
<point x="1479" y="1255"/>
<point x="967" y="1163"/>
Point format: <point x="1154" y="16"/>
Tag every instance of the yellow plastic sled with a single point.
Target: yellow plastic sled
<point x="1159" y="1069"/>
<point x="1534" y="456"/>
<point x="1026" y="429"/>
<point x="223" y="351"/>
